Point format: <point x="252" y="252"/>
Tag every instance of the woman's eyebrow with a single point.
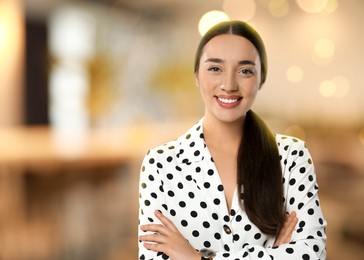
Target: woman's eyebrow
<point x="242" y="62"/>
<point x="246" y="62"/>
<point x="216" y="60"/>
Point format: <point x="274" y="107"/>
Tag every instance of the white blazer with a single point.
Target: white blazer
<point x="181" y="180"/>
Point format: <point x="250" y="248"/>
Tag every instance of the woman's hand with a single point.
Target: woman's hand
<point x="285" y="234"/>
<point x="167" y="239"/>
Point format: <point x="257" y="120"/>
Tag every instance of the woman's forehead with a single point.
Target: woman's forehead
<point x="230" y="46"/>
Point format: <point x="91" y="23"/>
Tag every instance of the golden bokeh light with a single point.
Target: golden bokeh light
<point x="324" y="48"/>
<point x="327" y="88"/>
<point x="323" y="51"/>
<point x="342" y="86"/>
<point x="240" y="9"/>
<point x="338" y="87"/>
<point x="294" y="74"/>
<point x="296" y="131"/>
<point x="278" y="8"/>
<point x="331" y="6"/>
<point x="312" y="6"/>
<point x="210" y="19"/>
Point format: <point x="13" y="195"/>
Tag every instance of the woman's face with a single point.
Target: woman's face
<point x="229" y="77"/>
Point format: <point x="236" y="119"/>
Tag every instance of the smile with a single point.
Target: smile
<point x="228" y="100"/>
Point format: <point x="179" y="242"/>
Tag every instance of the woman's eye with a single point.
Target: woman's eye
<point x="247" y="72"/>
<point x="214" y="69"/>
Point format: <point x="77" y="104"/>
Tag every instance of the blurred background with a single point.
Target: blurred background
<point x="87" y="86"/>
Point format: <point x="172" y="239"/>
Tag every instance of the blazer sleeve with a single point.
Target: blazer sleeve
<point x="301" y="195"/>
<point x="151" y="198"/>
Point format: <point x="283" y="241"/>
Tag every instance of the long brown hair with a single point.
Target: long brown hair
<point x="259" y="173"/>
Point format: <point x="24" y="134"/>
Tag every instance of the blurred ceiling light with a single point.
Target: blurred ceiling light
<point x="312" y="6"/>
<point x="361" y="136"/>
<point x="296" y="131"/>
<point x="278" y="8"/>
<point x="327" y="88"/>
<point x="342" y="86"/>
<point x="210" y="19"/>
<point x="294" y="74"/>
<point x="323" y="51"/>
<point x="240" y="9"/>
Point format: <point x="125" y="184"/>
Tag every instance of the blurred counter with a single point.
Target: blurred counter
<point x="73" y="194"/>
<point x="44" y="146"/>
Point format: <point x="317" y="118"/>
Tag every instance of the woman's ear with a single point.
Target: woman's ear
<point x="197" y="82"/>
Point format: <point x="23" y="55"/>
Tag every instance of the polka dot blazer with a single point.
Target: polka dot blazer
<point x="181" y="180"/>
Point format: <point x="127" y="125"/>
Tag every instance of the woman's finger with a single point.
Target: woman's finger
<point x="165" y="221"/>
<point x="289" y="225"/>
<point x="156" y="238"/>
<point x="155" y="247"/>
<point x="285" y="234"/>
<point x="157" y="228"/>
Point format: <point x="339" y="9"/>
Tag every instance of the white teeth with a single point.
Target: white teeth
<point x="228" y="101"/>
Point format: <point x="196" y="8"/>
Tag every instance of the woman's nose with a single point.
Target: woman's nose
<point x="229" y="84"/>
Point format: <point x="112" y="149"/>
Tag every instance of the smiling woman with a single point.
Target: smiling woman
<point x="228" y="77"/>
<point x="229" y="188"/>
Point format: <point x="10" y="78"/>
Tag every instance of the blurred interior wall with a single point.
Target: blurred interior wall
<point x="35" y="105"/>
<point x="11" y="61"/>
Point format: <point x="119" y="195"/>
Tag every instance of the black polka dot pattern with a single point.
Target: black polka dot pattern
<point x="181" y="180"/>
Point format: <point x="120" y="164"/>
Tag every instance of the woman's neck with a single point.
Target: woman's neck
<point x="222" y="135"/>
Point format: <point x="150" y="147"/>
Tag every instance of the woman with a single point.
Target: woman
<point x="216" y="192"/>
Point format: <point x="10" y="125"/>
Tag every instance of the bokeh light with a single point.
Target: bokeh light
<point x="278" y="8"/>
<point x="323" y="51"/>
<point x="294" y="74"/>
<point x="342" y="86"/>
<point x="338" y="87"/>
<point x="312" y="6"/>
<point x="331" y="7"/>
<point x="327" y="88"/>
<point x="324" y="48"/>
<point x="211" y="18"/>
<point x="240" y="9"/>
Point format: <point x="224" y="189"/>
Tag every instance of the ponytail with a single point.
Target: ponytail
<point x="259" y="174"/>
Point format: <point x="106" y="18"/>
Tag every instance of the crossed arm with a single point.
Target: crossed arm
<point x="167" y="239"/>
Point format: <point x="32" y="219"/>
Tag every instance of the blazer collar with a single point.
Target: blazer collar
<point x="191" y="145"/>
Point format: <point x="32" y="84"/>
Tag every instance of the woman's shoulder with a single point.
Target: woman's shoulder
<point x="287" y="139"/>
<point x="287" y="143"/>
<point x="184" y="142"/>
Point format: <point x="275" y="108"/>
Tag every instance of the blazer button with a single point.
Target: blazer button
<point x="227" y="229"/>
